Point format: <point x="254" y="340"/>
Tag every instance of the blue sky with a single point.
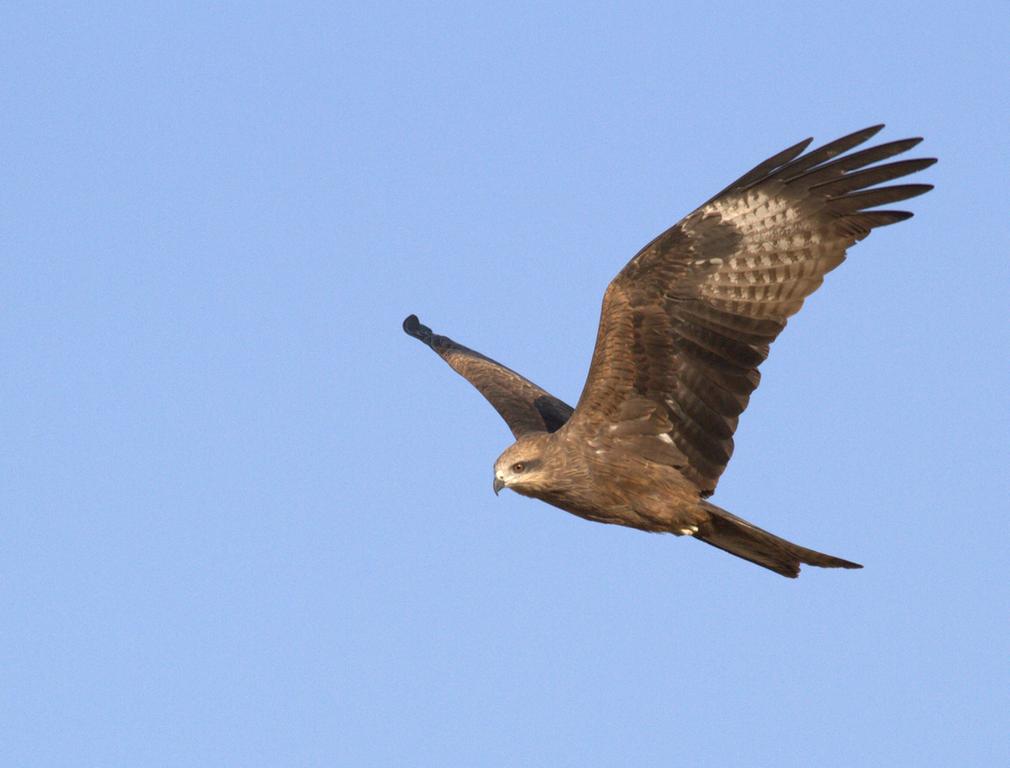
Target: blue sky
<point x="246" y="521"/>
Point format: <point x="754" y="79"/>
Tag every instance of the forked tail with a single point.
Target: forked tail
<point x="738" y="537"/>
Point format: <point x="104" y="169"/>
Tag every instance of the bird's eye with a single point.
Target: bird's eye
<point x="518" y="468"/>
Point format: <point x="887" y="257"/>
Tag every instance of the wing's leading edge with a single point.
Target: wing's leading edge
<point x="523" y="405"/>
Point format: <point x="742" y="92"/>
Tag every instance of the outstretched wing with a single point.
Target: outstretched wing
<point x="524" y="406"/>
<point x="687" y="322"/>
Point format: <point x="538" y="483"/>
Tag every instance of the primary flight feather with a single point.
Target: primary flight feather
<point x="683" y="329"/>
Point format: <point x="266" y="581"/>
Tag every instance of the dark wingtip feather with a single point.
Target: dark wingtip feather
<point x="868" y="133"/>
<point x="783" y="157"/>
<point x="855" y="138"/>
<point x="869" y="198"/>
<point x="849" y="182"/>
<point x="411" y="323"/>
<point x="872" y="219"/>
<point x="765" y="168"/>
<point x="823" y="154"/>
<point x="812" y="169"/>
<point x="412" y="326"/>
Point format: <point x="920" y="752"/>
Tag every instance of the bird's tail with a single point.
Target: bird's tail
<point x="738" y="537"/>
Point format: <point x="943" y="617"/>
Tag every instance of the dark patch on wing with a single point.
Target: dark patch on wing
<point x="554" y="412"/>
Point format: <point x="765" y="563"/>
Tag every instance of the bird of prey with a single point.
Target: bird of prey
<point x="683" y="329"/>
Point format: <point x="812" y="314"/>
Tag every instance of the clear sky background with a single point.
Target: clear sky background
<point x="247" y="522"/>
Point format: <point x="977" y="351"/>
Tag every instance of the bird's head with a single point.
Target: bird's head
<point x="521" y="467"/>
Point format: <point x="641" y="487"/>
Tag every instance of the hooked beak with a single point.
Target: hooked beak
<point x="498" y="485"/>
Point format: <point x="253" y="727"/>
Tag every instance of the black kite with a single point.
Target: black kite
<point x="683" y="329"/>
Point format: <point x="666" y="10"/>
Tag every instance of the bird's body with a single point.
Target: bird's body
<point x="606" y="485"/>
<point x="683" y="329"/>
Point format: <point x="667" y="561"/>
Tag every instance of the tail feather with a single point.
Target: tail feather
<point x="738" y="537"/>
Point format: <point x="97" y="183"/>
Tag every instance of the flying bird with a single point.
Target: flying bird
<point x="683" y="329"/>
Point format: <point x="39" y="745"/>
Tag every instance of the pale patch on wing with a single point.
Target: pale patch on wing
<point x="755" y="211"/>
<point x="781" y="258"/>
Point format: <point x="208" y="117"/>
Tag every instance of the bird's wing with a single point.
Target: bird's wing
<point x="524" y="406"/>
<point x="687" y="322"/>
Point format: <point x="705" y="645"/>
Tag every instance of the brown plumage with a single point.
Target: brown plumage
<point x="683" y="329"/>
